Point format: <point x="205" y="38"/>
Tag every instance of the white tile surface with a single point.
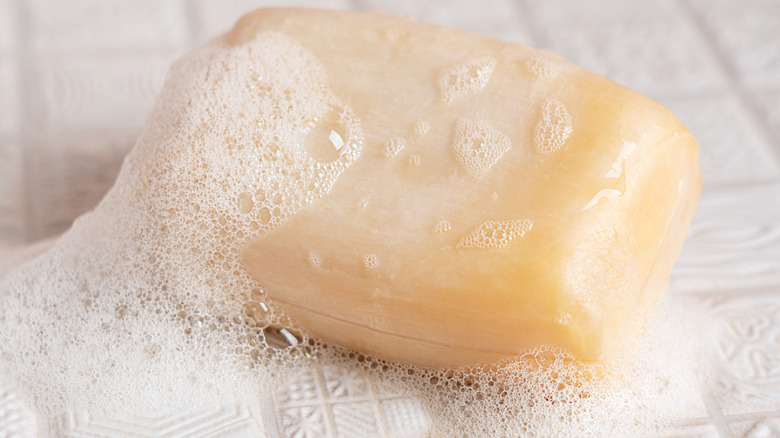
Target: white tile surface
<point x="734" y="241"/>
<point x="8" y="28"/>
<point x="215" y="18"/>
<point x="747" y="35"/>
<point x="71" y="93"/>
<point x="82" y="25"/>
<point x="12" y="220"/>
<point x="732" y="148"/>
<point x="9" y="97"/>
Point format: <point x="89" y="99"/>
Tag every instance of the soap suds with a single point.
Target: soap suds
<point x="143" y="306"/>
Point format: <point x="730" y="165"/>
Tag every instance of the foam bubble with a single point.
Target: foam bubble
<point x="461" y="79"/>
<point x="478" y="146"/>
<point x="541" y="68"/>
<point x="394" y="146"/>
<point x="554" y="127"/>
<point x="442" y="226"/>
<point x="495" y="234"/>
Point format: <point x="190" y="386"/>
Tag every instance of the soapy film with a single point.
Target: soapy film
<point x="143" y="305"/>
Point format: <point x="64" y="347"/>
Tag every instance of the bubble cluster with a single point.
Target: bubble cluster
<point x="442" y="226"/>
<point x="461" y="79"/>
<point x="149" y="286"/>
<point x="495" y="234"/>
<point x="394" y="146"/>
<point x="422" y="127"/>
<point x="478" y="146"/>
<point x="554" y="127"/>
<point x="541" y="68"/>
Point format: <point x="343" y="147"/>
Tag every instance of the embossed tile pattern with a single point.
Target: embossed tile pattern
<point x="81" y="25"/>
<point x="732" y="150"/>
<point x="77" y="79"/>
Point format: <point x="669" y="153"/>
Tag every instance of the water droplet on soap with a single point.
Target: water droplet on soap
<point x="326" y="139"/>
<point x="494" y="196"/>
<point x="394" y="146"/>
<point x="422" y="127"/>
<point x="478" y="146"/>
<point x="461" y="79"/>
<point x="541" y="68"/>
<point x="554" y="127"/>
<point x="442" y="226"/>
<point x="414" y="160"/>
<point x="495" y="234"/>
<point x="245" y="203"/>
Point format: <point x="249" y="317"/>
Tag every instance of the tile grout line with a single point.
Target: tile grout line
<point x="734" y="89"/>
<point x="716" y="416"/>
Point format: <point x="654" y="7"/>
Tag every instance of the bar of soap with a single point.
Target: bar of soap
<point x="504" y="199"/>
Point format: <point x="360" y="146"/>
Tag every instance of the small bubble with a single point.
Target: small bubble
<point x="313" y="258"/>
<point x="541" y="68"/>
<point x="478" y="146"/>
<point x="494" y="196"/>
<point x="554" y="127"/>
<point x="564" y="319"/>
<point x="414" y="160"/>
<point x="394" y="146"/>
<point x="245" y="203"/>
<point x="442" y="226"/>
<point x="280" y="337"/>
<point x="370" y="261"/>
<point x="422" y="127"/>
<point x="461" y="79"/>
<point x="495" y="234"/>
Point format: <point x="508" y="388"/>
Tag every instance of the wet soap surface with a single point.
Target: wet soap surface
<point x="539" y="168"/>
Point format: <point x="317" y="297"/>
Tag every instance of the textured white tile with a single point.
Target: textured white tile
<point x="12" y="218"/>
<point x="16" y="420"/>
<point x="69" y="175"/>
<point x="500" y="19"/>
<point x="355" y="420"/>
<point x="769" y="104"/>
<point x="747" y="35"/>
<point x="646" y="47"/>
<point x="734" y="241"/>
<point x="763" y="428"/>
<point x="744" y="348"/>
<point x="8" y="29"/>
<point x="699" y="431"/>
<point x="229" y="420"/>
<point x="81" y="25"/>
<point x="731" y="149"/>
<point x="405" y="417"/>
<point x="9" y="97"/>
<point x="111" y="92"/>
<point x="215" y="18"/>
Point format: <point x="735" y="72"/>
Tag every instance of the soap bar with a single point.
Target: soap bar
<point x="504" y="199"/>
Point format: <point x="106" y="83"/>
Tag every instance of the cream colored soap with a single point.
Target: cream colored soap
<point x="504" y="199"/>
